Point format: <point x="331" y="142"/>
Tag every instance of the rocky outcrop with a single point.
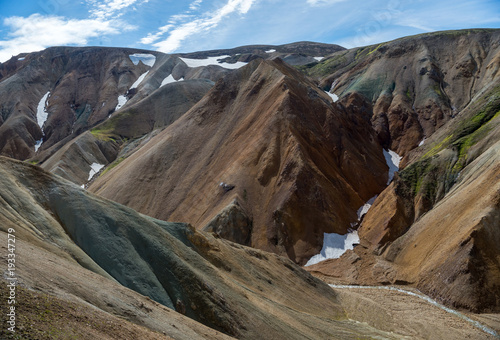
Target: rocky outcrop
<point x="451" y="251"/>
<point x="232" y="224"/>
<point x="82" y="86"/>
<point x="299" y="53"/>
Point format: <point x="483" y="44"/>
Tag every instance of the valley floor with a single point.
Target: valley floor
<point x="412" y="315"/>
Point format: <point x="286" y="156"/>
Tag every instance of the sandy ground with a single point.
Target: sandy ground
<point x="410" y="316"/>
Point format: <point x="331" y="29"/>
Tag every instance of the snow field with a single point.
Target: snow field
<point x="212" y="61"/>
<point x="95" y="168"/>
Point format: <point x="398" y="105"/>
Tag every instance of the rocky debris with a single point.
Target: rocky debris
<point x="232" y="224"/>
<point x="226" y="187"/>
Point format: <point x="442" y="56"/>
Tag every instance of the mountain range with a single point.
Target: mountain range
<point x="257" y="157"/>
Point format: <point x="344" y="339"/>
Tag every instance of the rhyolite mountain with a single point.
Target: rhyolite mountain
<point x="280" y="141"/>
<point x="437" y="225"/>
<point x="270" y="147"/>
<point x="89" y="268"/>
<point x="73" y="243"/>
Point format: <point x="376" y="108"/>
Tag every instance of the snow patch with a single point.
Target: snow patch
<point x="334" y="245"/>
<point x="139" y="80"/>
<point x="421" y="142"/>
<point x="392" y="159"/>
<point x="95" y="168"/>
<point x="121" y="101"/>
<point x="364" y="209"/>
<point x="147" y="59"/>
<point x="170" y="79"/>
<point x="333" y="96"/>
<point x="212" y="61"/>
<point x="41" y="112"/>
<point x="38" y="144"/>
<point x="319" y="58"/>
<point x="21" y="59"/>
<point x="271" y="51"/>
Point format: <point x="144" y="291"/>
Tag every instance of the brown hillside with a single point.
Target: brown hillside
<point x="300" y="164"/>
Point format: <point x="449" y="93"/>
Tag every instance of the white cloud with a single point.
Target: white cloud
<point x="38" y="32"/>
<point x="195" y="5"/>
<point x="414" y="23"/>
<point x="323" y="2"/>
<point x="152" y="37"/>
<point x="110" y="8"/>
<point x="206" y="22"/>
<point x="450" y="14"/>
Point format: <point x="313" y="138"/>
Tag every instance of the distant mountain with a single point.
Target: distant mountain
<point x="299" y="53"/>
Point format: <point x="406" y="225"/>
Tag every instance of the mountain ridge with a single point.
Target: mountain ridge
<point x="275" y="154"/>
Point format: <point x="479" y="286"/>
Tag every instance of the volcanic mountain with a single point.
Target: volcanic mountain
<point x="89" y="268"/>
<point x="263" y="141"/>
<point x="268" y="147"/>
<point x="435" y="226"/>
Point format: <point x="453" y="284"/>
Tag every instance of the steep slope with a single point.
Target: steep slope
<point x="119" y="135"/>
<point x="450" y="253"/>
<point x="414" y="85"/>
<point x="75" y="87"/>
<point x="266" y="144"/>
<point x="436" y="225"/>
<point x="52" y="96"/>
<point x="240" y="291"/>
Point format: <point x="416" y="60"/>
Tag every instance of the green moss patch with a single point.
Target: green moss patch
<point x="113" y="165"/>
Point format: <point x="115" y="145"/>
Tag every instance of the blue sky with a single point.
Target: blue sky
<point x="184" y="26"/>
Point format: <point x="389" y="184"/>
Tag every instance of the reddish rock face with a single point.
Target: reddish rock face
<point x="84" y="84"/>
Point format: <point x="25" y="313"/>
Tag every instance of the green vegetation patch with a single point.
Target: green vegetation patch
<point x="371" y="88"/>
<point x="326" y="67"/>
<point x="106" y="130"/>
<point x="104" y="135"/>
<point x="438" y="147"/>
<point x="413" y="174"/>
<point x="435" y="173"/>
<point x="374" y="49"/>
<point x="113" y="165"/>
<point x="408" y="94"/>
<point x="463" y="144"/>
<point x="480" y="119"/>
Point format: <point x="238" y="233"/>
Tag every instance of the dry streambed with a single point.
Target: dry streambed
<point x="411" y="314"/>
